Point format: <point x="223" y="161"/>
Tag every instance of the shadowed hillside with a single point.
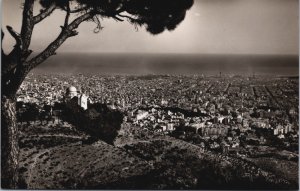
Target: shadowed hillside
<point x="155" y="163"/>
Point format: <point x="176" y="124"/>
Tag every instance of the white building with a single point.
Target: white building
<point x="83" y="101"/>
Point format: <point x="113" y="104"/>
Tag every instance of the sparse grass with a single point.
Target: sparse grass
<point x="155" y="162"/>
<point x="66" y="163"/>
<point x="283" y="168"/>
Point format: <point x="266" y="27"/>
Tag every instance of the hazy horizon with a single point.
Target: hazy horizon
<point x="148" y="63"/>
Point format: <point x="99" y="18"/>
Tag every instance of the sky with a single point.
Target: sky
<point x="210" y="27"/>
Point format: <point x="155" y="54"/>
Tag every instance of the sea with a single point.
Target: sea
<point x="172" y="64"/>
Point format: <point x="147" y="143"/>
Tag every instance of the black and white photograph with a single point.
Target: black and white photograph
<point x="150" y="94"/>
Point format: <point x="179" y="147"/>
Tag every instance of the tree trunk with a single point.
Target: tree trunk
<point x="9" y="143"/>
<point x="10" y="83"/>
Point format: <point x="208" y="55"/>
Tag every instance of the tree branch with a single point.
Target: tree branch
<point x="44" y="13"/>
<point x="67" y="32"/>
<point x="128" y="17"/>
<point x="117" y="18"/>
<point x="12" y="68"/>
<point x="13" y="58"/>
<point x="67" y="15"/>
<point x="16" y="36"/>
<point x="76" y="10"/>
<point x="27" y="26"/>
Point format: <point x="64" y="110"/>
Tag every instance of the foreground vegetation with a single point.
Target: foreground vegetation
<point x="61" y="157"/>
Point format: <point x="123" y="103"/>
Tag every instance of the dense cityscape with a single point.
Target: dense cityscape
<point x="238" y="108"/>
